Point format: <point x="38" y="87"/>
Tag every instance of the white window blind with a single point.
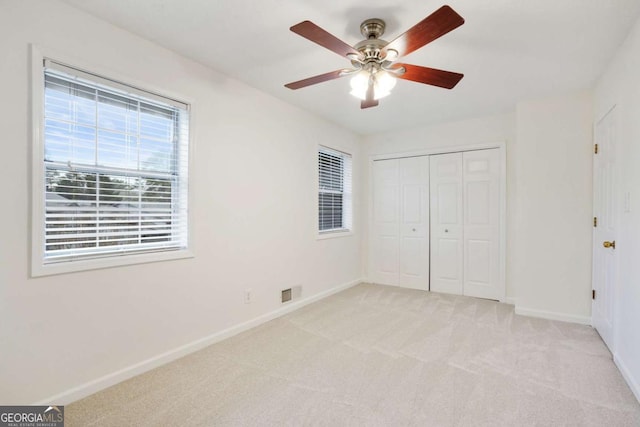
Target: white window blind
<point x="115" y="167"/>
<point x="334" y="198"/>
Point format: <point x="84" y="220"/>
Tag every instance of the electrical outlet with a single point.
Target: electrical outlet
<point x="247" y="296"/>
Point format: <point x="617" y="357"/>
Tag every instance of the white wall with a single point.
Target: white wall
<point x="254" y="180"/>
<point x="554" y="210"/>
<point x="484" y="130"/>
<point x="619" y="86"/>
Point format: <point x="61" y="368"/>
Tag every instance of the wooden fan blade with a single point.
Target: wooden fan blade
<point x="315" y="79"/>
<point x="429" y="76"/>
<point x="429" y="29"/>
<point x="311" y="31"/>
<point x="370" y="101"/>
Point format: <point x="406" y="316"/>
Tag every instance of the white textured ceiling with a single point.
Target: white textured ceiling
<point x="508" y="50"/>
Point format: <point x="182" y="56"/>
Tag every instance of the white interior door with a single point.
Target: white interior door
<point x="414" y="222"/>
<point x="604" y="258"/>
<point x="481" y="231"/>
<point x="385" y="221"/>
<point x="446" y="222"/>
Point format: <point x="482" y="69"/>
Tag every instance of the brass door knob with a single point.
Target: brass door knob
<point x="609" y="244"/>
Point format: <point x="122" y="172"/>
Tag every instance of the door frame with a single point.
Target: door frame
<point x="502" y="147"/>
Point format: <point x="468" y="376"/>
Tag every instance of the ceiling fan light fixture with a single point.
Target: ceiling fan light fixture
<point x="383" y="83"/>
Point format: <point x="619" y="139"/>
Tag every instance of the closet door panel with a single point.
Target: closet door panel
<point x="482" y="223"/>
<point x="385" y="220"/>
<point x="446" y="223"/>
<point x="414" y="224"/>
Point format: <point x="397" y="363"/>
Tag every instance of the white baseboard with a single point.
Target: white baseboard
<point x="583" y="320"/>
<point x="633" y="384"/>
<point x="510" y="300"/>
<point x="108" y="380"/>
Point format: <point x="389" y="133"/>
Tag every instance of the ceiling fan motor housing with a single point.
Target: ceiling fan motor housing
<point x="371" y="47"/>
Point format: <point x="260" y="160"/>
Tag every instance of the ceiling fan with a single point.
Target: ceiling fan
<point x="374" y="70"/>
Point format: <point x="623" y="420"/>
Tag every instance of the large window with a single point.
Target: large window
<point x="114" y="168"/>
<point x="334" y="198"/>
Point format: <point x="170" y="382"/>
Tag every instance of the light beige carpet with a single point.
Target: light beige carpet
<point x="382" y="356"/>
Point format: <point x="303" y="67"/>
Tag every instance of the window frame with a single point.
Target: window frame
<point x="37" y="175"/>
<point x="336" y="232"/>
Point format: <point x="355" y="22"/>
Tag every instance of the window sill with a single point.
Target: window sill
<point x="334" y="234"/>
<point x="39" y="270"/>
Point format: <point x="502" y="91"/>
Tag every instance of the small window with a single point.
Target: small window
<point x="114" y="165"/>
<point x="334" y="198"/>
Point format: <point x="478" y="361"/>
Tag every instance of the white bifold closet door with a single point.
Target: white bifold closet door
<point x="465" y="223"/>
<point x="385" y="223"/>
<point x="481" y="194"/>
<point x="400" y="223"/>
<point x="414" y="223"/>
<point x="446" y="223"/>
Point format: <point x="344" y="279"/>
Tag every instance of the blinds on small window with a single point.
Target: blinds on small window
<point x="334" y="198"/>
<point x="115" y="170"/>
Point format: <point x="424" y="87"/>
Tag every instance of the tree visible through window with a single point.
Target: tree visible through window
<point x="334" y="198"/>
<point x="115" y="166"/>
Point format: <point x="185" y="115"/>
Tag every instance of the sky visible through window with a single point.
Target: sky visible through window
<point x="86" y="126"/>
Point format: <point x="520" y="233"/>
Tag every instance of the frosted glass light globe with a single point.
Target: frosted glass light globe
<point x="384" y="82"/>
<point x="360" y="84"/>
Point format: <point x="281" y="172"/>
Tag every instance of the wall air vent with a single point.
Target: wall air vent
<point x="286" y="295"/>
